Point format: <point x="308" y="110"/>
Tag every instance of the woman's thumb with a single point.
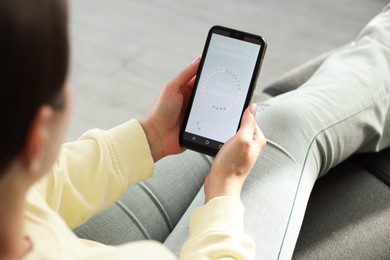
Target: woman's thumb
<point x="248" y="121"/>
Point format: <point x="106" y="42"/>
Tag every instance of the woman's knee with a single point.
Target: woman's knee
<point x="290" y="119"/>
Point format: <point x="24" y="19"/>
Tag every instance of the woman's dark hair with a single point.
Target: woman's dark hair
<point x="34" y="55"/>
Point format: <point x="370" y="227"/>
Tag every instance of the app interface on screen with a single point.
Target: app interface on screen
<point x="222" y="88"/>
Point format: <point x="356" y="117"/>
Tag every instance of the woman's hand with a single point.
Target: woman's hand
<point x="236" y="158"/>
<point x="162" y="124"/>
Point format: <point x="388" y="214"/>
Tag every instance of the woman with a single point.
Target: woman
<point x="41" y="201"/>
<point x="38" y="204"/>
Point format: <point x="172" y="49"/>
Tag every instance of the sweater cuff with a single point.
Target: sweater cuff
<point x="131" y="151"/>
<point x="221" y="213"/>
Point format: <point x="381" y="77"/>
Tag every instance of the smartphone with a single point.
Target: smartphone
<point x="223" y="88"/>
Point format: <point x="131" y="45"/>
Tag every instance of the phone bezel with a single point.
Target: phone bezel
<point x="236" y="34"/>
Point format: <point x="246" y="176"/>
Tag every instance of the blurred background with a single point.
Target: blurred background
<point x="124" y="50"/>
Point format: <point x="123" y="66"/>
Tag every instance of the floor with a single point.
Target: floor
<point x="124" y="50"/>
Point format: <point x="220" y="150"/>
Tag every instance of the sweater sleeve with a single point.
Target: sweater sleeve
<point x="94" y="171"/>
<point x="217" y="232"/>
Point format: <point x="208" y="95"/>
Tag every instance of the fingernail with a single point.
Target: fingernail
<point x="197" y="59"/>
<point x="253" y="109"/>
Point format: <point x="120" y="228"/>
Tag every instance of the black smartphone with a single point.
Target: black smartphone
<point x="223" y="88"/>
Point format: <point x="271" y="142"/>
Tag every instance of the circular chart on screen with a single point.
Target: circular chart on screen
<point x="221" y="89"/>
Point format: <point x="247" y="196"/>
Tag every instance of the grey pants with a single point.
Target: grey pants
<point x="341" y="110"/>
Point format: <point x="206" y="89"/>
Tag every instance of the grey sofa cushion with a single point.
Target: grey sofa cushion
<point x="348" y="215"/>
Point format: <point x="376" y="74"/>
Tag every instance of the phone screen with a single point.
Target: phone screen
<point x="224" y="86"/>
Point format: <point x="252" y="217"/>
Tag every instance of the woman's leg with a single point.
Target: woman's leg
<point x="341" y="110"/>
<point x="150" y="209"/>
